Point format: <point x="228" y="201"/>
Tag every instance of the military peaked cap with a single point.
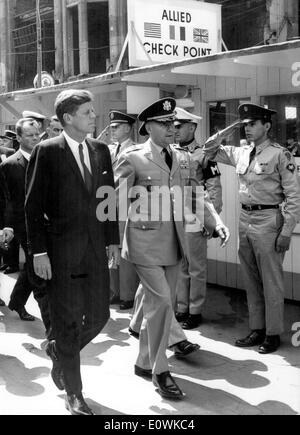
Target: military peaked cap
<point x="251" y="112"/>
<point x="117" y="117"/>
<point x="184" y="117"/>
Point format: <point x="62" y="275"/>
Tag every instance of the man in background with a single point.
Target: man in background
<point x="124" y="280"/>
<point x="191" y="284"/>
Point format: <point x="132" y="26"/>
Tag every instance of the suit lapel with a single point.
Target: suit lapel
<point x="21" y="160"/>
<point x="94" y="162"/>
<point x="72" y="162"/>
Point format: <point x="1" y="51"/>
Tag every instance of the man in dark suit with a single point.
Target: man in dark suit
<point x="10" y="255"/>
<point x="71" y="249"/>
<point x="12" y="176"/>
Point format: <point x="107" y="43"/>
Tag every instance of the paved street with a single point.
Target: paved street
<point x="219" y="379"/>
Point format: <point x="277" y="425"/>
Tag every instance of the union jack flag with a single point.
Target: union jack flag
<point x="201" y="35"/>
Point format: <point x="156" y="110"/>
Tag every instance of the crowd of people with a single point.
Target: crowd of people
<point x="84" y="253"/>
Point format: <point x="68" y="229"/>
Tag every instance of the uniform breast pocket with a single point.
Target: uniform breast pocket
<point x="144" y="226"/>
<point x="264" y="169"/>
<point x="264" y="175"/>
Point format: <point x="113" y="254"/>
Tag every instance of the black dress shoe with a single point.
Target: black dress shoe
<point x="271" y="344"/>
<point x="134" y="333"/>
<point x="167" y="387"/>
<point x="115" y="300"/>
<point x="181" y="317"/>
<point x="26" y="317"/>
<point x="192" y="322"/>
<point x="255" y="338"/>
<point x="56" y="372"/>
<point x="126" y="305"/>
<point x="2" y="303"/>
<point x="77" y="406"/>
<point x="10" y="270"/>
<point x="184" y="348"/>
<point x="143" y="373"/>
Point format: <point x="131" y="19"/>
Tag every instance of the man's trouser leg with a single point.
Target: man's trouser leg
<point x="158" y="282"/>
<point x="79" y="308"/>
<point x="129" y="280"/>
<point x="262" y="268"/>
<point x="176" y="332"/>
<point x="191" y="286"/>
<point x="23" y="286"/>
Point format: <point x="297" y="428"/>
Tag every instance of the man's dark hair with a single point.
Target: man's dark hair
<point x="28" y="121"/>
<point x="69" y="102"/>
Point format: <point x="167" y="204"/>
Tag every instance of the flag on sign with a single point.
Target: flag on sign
<point x="182" y="34"/>
<point x="201" y="35"/>
<point x="152" y="30"/>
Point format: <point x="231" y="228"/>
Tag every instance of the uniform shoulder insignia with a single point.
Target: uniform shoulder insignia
<point x="277" y="145"/>
<point x="288" y="155"/>
<point x="291" y="167"/>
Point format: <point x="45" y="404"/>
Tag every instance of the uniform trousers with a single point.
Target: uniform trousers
<point x="191" y="286"/>
<point x="159" y="284"/>
<point x="124" y="280"/>
<point x="262" y="269"/>
<point x="79" y="309"/>
<point x="176" y="333"/>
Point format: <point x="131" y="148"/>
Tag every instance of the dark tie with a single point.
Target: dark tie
<point x="118" y="148"/>
<point x="167" y="157"/>
<point x="88" y="179"/>
<point x="252" y="155"/>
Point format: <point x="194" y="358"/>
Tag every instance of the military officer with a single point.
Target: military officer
<point x="40" y="119"/>
<point x="191" y="285"/>
<point x="154" y="234"/>
<point x="268" y="177"/>
<point x="124" y="280"/>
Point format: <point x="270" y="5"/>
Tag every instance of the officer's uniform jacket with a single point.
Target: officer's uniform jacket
<point x="208" y="173"/>
<point x="158" y="241"/>
<point x="114" y="147"/>
<point x="270" y="178"/>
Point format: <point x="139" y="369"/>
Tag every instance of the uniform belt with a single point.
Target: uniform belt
<point x="258" y="207"/>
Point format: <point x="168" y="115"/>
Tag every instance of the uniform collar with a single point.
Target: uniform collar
<point x="263" y="146"/>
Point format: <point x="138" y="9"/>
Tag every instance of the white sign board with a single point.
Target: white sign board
<point x="169" y="30"/>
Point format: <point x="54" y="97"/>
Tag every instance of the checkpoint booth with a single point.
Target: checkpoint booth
<point x="211" y="86"/>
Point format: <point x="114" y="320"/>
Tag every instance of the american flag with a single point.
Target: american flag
<point x="201" y="35"/>
<point x="152" y="30"/>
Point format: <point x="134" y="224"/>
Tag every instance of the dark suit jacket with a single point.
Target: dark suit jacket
<point x="12" y="182"/>
<point x="56" y="190"/>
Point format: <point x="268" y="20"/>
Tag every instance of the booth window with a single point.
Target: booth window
<point x="286" y="125"/>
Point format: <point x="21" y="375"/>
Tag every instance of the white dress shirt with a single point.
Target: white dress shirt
<point x="74" y="147"/>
